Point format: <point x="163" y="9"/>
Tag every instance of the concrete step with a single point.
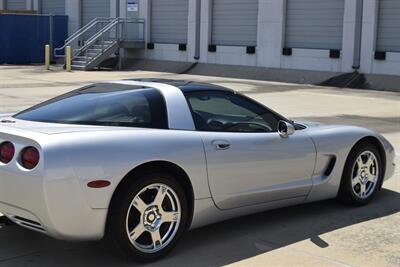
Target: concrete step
<point x="99" y="46"/>
<point x="80" y="58"/>
<point x="78" y="63"/>
<point x="94" y="51"/>
<point x="92" y="55"/>
<point x="76" y="67"/>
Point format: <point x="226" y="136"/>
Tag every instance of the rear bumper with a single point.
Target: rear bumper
<point x="54" y="207"/>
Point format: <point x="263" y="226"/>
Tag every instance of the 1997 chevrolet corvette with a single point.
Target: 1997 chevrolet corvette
<point x="141" y="162"/>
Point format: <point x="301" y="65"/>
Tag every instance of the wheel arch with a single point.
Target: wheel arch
<point x="374" y="141"/>
<point x="163" y="166"/>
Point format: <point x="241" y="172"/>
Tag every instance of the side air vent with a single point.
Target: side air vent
<point x="330" y="166"/>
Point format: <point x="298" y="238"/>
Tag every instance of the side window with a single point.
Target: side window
<point x="228" y="112"/>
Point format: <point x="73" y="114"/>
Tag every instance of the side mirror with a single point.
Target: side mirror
<point x="285" y="129"/>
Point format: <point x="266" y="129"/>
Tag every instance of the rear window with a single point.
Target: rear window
<point x="110" y="104"/>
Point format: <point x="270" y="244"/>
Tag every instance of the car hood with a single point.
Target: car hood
<point x="310" y="124"/>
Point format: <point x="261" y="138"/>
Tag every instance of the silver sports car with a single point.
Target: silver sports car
<point x="141" y="162"/>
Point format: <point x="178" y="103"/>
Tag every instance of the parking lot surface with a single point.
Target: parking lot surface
<point x="319" y="234"/>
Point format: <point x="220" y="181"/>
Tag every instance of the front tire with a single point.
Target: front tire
<point x="361" y="176"/>
<point x="147" y="217"/>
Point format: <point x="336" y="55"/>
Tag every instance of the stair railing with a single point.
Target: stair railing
<point x="111" y="32"/>
<point x="78" y="34"/>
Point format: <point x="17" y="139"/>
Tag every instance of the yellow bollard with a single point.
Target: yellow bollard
<point x="47" y="56"/>
<point x="68" y="58"/>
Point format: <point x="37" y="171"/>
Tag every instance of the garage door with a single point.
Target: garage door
<point x="315" y="24"/>
<point x="388" y="37"/>
<point x="234" y="22"/>
<point x="16" y="4"/>
<point x="169" y="21"/>
<point x="55" y="7"/>
<point x="92" y="9"/>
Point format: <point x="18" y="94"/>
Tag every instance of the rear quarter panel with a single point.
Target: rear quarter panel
<point x="111" y="155"/>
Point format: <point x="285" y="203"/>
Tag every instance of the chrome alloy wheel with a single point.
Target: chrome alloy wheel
<point x="153" y="218"/>
<point x="365" y="175"/>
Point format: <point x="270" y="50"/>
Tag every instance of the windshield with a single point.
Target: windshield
<point x="103" y="104"/>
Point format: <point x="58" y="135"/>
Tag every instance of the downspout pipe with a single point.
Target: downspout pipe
<point x="198" y="23"/>
<point x="358" y="34"/>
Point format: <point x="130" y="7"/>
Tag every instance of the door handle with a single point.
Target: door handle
<point x="221" y="145"/>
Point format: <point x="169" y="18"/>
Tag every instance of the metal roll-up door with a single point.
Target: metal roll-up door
<point x="169" y="21"/>
<point x="314" y="24"/>
<point x="388" y="36"/>
<point x="55" y="7"/>
<point x="92" y="9"/>
<point x="16" y="4"/>
<point x="234" y="22"/>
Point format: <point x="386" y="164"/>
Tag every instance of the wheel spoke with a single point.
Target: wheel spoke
<point x="137" y="232"/>
<point x="355" y="181"/>
<point x="370" y="161"/>
<point x="139" y="204"/>
<point x="170" y="216"/>
<point x="362" y="189"/>
<point x="360" y="163"/>
<point x="158" y="200"/>
<point x="372" y="178"/>
<point x="156" y="237"/>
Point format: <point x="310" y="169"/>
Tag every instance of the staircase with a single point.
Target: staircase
<point x="94" y="55"/>
<point x="100" y="39"/>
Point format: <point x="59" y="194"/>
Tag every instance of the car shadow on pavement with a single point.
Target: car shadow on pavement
<point x="215" y="245"/>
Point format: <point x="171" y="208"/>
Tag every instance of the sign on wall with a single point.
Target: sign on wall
<point x="132" y="5"/>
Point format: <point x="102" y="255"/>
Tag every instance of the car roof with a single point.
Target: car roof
<point x="186" y="86"/>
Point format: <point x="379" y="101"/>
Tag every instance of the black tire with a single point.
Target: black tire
<point x="116" y="233"/>
<point x="346" y="194"/>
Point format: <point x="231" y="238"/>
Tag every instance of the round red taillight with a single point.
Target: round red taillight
<point x="30" y="157"/>
<point x="7" y="151"/>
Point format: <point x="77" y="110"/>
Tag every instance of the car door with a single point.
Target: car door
<point x="248" y="161"/>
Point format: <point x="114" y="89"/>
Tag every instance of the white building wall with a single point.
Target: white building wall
<point x="370" y="25"/>
<point x="168" y="51"/>
<point x="318" y="59"/>
<point x="73" y="11"/>
<point x="231" y="55"/>
<point x="270" y="41"/>
<point x="271" y="28"/>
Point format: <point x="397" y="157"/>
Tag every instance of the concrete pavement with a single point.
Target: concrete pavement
<point x="318" y="234"/>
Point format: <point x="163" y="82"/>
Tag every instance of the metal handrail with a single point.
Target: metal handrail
<point x="94" y="38"/>
<point x="79" y="33"/>
<point x="111" y="32"/>
<point x="107" y="28"/>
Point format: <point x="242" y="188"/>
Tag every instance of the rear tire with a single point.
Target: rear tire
<point x="147" y="217"/>
<point x="361" y="176"/>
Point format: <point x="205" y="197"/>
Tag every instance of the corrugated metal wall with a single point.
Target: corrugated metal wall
<point x="234" y="22"/>
<point x="22" y="38"/>
<point x="93" y="9"/>
<point x="169" y="21"/>
<point x="315" y="24"/>
<point x="15" y="4"/>
<point x="388" y="37"/>
<point x="55" y="7"/>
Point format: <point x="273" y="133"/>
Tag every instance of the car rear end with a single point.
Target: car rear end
<point x="38" y="189"/>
